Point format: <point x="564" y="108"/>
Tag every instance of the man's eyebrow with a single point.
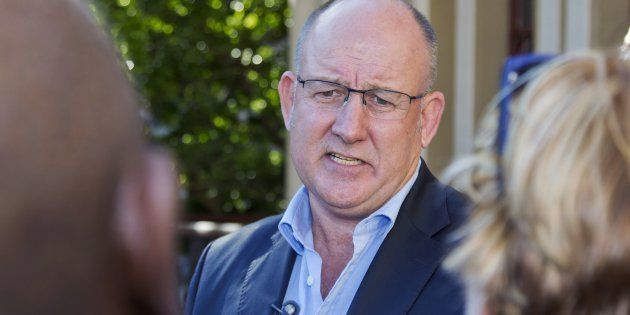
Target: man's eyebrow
<point x="370" y="86"/>
<point x="381" y="84"/>
<point x="329" y="79"/>
<point x="365" y="85"/>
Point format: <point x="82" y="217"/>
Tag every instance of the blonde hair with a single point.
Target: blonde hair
<point x="550" y="233"/>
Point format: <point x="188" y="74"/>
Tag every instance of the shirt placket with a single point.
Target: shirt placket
<point x="360" y="239"/>
<point x="312" y="278"/>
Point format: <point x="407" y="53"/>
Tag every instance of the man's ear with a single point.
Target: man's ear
<point x="286" y="89"/>
<point x="432" y="109"/>
<point x="144" y="222"/>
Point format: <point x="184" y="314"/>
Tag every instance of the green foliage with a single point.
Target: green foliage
<point x="209" y="71"/>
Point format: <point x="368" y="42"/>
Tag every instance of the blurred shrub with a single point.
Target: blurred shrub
<point x="209" y="71"/>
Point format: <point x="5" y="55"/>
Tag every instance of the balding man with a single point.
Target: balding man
<point x="368" y="231"/>
<point x="87" y="207"/>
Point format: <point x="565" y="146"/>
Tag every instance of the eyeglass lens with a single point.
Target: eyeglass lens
<point x="380" y="103"/>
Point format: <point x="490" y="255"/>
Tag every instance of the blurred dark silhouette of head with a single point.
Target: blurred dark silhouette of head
<point x="87" y="208"/>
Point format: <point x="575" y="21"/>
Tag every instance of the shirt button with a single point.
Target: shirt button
<point x="309" y="281"/>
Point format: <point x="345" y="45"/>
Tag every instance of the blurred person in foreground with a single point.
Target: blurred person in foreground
<point x="86" y="224"/>
<point x="367" y="232"/>
<point x="550" y="233"/>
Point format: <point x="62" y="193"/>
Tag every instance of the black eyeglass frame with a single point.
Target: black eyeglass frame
<point x="362" y="92"/>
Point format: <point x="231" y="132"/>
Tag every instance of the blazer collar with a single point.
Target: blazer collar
<point x="409" y="255"/>
<point x="267" y="278"/>
<point x="425" y="204"/>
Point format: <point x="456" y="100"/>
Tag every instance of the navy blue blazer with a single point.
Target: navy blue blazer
<point x="248" y="271"/>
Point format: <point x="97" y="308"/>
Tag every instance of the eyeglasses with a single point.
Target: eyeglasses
<point x="380" y="103"/>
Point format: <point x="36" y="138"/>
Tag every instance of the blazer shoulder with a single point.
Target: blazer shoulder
<point x="223" y="265"/>
<point x="434" y="208"/>
<point x="250" y="240"/>
<point x="457" y="205"/>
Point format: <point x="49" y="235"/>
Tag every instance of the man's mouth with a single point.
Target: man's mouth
<point x="344" y="160"/>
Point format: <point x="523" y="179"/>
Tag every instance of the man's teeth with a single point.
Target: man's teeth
<point x="344" y="159"/>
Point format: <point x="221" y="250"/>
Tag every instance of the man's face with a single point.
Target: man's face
<point x="351" y="162"/>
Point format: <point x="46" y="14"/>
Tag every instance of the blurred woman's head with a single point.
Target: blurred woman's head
<point x="551" y="230"/>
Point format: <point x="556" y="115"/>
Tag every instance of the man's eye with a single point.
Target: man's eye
<point x="329" y="94"/>
<point x="381" y="101"/>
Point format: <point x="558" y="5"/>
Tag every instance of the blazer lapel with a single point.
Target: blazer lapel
<point x="408" y="256"/>
<point x="267" y="279"/>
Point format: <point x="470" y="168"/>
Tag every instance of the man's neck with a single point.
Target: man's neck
<point x="331" y="233"/>
<point x="332" y="238"/>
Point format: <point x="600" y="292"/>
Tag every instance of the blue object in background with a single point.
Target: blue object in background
<point x="515" y="67"/>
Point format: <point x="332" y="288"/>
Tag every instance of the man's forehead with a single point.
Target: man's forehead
<point x="368" y="62"/>
<point x="363" y="8"/>
<point x="353" y="71"/>
<point x="382" y="40"/>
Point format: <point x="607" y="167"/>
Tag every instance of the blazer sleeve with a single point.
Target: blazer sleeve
<point x="193" y="287"/>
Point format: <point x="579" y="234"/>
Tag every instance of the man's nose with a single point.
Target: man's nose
<point x="351" y="121"/>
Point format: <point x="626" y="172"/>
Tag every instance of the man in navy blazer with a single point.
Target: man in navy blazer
<point x="367" y="232"/>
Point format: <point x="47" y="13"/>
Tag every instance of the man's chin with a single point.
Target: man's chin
<point x="347" y="206"/>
